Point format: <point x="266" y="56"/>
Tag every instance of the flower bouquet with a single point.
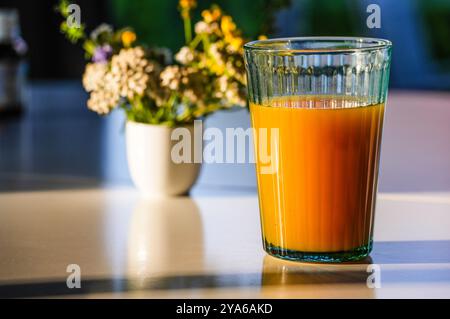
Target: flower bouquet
<point x="160" y="92"/>
<point x="207" y="74"/>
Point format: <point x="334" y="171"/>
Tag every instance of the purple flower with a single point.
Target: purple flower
<point x="102" y="54"/>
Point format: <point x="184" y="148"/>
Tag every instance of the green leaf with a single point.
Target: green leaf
<point x="89" y="47"/>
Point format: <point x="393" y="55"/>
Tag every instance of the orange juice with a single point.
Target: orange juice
<point x="322" y="196"/>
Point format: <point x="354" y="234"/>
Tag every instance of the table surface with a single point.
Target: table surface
<point x="205" y="246"/>
<point x="66" y="199"/>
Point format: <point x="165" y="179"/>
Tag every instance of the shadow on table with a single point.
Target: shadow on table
<point x="275" y="273"/>
<point x="10" y="182"/>
<point x="411" y="252"/>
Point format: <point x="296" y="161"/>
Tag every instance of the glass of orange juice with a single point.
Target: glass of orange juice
<point x="317" y="107"/>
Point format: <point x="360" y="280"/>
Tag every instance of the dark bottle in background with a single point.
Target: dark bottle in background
<point x="12" y="73"/>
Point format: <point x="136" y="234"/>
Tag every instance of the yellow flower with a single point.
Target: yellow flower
<point x="211" y="15"/>
<point x="236" y="43"/>
<point x="188" y="4"/>
<point x="227" y="25"/>
<point x="214" y="64"/>
<point x="262" y="37"/>
<point x="216" y="68"/>
<point x="128" y="37"/>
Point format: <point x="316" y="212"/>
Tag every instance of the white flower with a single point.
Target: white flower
<point x="170" y="77"/>
<point x="203" y="27"/>
<point x="103" y="101"/>
<point x="191" y="96"/>
<point x="127" y="77"/>
<point x="214" y="51"/>
<point x="185" y="55"/>
<point x="94" y="76"/>
<point x="130" y="69"/>
<point x="223" y="83"/>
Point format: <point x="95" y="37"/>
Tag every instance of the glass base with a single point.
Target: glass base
<point x="320" y="257"/>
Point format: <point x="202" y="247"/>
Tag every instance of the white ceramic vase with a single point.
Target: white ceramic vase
<point x="151" y="167"/>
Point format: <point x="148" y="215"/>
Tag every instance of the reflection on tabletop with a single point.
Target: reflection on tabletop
<point x="203" y="246"/>
<point x="280" y="278"/>
<point x="164" y="234"/>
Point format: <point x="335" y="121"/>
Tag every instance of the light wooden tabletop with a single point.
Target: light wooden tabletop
<point x="205" y="246"/>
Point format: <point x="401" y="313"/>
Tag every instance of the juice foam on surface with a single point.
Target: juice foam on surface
<point x="322" y="197"/>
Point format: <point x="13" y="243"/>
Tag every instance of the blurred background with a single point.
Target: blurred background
<point x="420" y="30"/>
<point x="55" y="126"/>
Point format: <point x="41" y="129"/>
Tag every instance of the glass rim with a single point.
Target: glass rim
<point x="284" y="45"/>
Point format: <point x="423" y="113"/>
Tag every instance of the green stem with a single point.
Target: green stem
<point x="172" y="99"/>
<point x="206" y="43"/>
<point x="187" y="27"/>
<point x="196" y="41"/>
<point x="183" y="118"/>
<point x="138" y="103"/>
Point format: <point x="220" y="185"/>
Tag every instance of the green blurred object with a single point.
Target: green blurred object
<point x="158" y="22"/>
<point x="155" y="22"/>
<point x="436" y="20"/>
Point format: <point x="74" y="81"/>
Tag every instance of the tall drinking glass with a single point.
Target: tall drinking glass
<point x="317" y="107"/>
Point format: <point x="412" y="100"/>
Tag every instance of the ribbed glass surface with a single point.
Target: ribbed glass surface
<point x="312" y="66"/>
<point x="325" y="97"/>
